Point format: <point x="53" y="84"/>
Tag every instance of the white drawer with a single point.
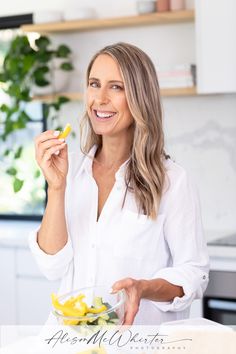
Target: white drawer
<point x="25" y="264"/>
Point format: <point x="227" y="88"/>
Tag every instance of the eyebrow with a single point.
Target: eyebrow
<point x="110" y="81"/>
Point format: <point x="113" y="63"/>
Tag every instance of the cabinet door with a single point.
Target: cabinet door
<point x="34" y="300"/>
<point x="216" y="46"/>
<point x="8" y="287"/>
<point x="33" y="290"/>
<point x="196" y="309"/>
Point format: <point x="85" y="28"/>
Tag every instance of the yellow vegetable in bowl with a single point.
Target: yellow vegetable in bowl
<point x="76" y="307"/>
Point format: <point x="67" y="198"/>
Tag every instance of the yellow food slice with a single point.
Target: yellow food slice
<point x="100" y="309"/>
<point x="70" y="322"/>
<point x="65" y="132"/>
<point x="65" y="309"/>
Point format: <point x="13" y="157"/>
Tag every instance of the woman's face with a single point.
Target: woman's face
<point x="107" y="105"/>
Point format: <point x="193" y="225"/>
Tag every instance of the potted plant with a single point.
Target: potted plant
<point x="25" y="68"/>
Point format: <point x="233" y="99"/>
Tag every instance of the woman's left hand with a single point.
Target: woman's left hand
<point x="133" y="291"/>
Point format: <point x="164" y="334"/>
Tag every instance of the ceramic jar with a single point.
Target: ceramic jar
<point x="163" y="5"/>
<point x="177" y="5"/>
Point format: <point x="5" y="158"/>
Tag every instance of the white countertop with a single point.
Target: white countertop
<point x="15" y="233"/>
<point x="221" y="257"/>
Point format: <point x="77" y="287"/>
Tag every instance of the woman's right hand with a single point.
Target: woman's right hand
<point x="54" y="166"/>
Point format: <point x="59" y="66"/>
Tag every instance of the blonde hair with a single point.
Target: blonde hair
<point x="145" y="170"/>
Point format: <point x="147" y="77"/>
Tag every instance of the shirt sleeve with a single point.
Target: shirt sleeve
<point x="183" y="232"/>
<point x="54" y="266"/>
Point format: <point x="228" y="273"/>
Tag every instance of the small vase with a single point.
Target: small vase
<point x="163" y="5"/>
<point x="177" y="5"/>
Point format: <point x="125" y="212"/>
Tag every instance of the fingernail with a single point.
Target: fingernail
<point x="61" y="139"/>
<point x="112" y="291"/>
<point x="56" y="133"/>
<point x="57" y="152"/>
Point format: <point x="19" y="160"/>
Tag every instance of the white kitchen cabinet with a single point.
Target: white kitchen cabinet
<point x="25" y="293"/>
<point x="33" y="290"/>
<point x="196" y="309"/>
<point x="216" y="46"/>
<point x="8" y="286"/>
<point x="33" y="299"/>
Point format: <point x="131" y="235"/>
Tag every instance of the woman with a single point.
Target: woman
<point x="124" y="215"/>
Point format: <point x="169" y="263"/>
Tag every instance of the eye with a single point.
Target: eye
<point x="117" y="87"/>
<point x="93" y="84"/>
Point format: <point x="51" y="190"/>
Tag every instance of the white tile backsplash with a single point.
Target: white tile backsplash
<point x="201" y="136"/>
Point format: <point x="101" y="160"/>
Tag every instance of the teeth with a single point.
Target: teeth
<point x="104" y="115"/>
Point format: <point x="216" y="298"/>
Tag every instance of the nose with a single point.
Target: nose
<point x="102" y="96"/>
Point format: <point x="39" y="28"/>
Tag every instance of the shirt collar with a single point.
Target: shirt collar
<point x="88" y="161"/>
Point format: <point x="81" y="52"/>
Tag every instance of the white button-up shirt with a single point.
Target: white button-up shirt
<point x="124" y="244"/>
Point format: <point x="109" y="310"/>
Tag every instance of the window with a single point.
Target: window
<point x="29" y="202"/>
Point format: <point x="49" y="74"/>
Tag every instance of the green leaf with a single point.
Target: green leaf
<point x="18" y="152"/>
<point x="28" y="62"/>
<point x="59" y="127"/>
<point x="14" y="90"/>
<point x="63" y="51"/>
<point x="6" y="152"/>
<point x="20" y="45"/>
<point x="22" y="120"/>
<point x="17" y="184"/>
<point x="4" y="108"/>
<point x="56" y="106"/>
<point x="39" y="76"/>
<point x="63" y="99"/>
<point x="59" y="102"/>
<point x="25" y="95"/>
<point x="44" y="56"/>
<point x="42" y="82"/>
<point x="3" y="77"/>
<point x="37" y="174"/>
<point x="42" y="42"/>
<point x="66" y="66"/>
<point x="11" y="171"/>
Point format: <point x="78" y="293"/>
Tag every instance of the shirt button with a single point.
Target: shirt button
<point x="204" y="277"/>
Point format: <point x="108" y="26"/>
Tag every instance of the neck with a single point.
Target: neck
<point x="113" y="152"/>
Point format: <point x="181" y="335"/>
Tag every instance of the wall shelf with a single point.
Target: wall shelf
<point x="77" y="96"/>
<point x="127" y="21"/>
<point x="179" y="91"/>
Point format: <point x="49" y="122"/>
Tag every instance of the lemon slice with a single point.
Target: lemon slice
<point x="65" y="132"/>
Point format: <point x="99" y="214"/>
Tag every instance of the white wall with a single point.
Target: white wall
<point x="103" y="7"/>
<point x="200" y="131"/>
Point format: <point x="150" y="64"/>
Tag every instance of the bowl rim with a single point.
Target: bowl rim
<point x="91" y="316"/>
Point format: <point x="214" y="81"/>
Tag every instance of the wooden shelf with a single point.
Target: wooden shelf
<point x="77" y="96"/>
<point x="73" y="96"/>
<point x="128" y="21"/>
<point x="179" y="91"/>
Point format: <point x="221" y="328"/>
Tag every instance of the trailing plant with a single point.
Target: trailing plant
<point x="25" y="67"/>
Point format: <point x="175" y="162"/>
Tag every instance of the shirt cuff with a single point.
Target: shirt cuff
<point x="52" y="266"/>
<point x="193" y="282"/>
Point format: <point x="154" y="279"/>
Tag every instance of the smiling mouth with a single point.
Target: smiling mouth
<point x="101" y="115"/>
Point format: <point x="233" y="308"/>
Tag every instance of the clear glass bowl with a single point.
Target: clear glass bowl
<point x="116" y="306"/>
